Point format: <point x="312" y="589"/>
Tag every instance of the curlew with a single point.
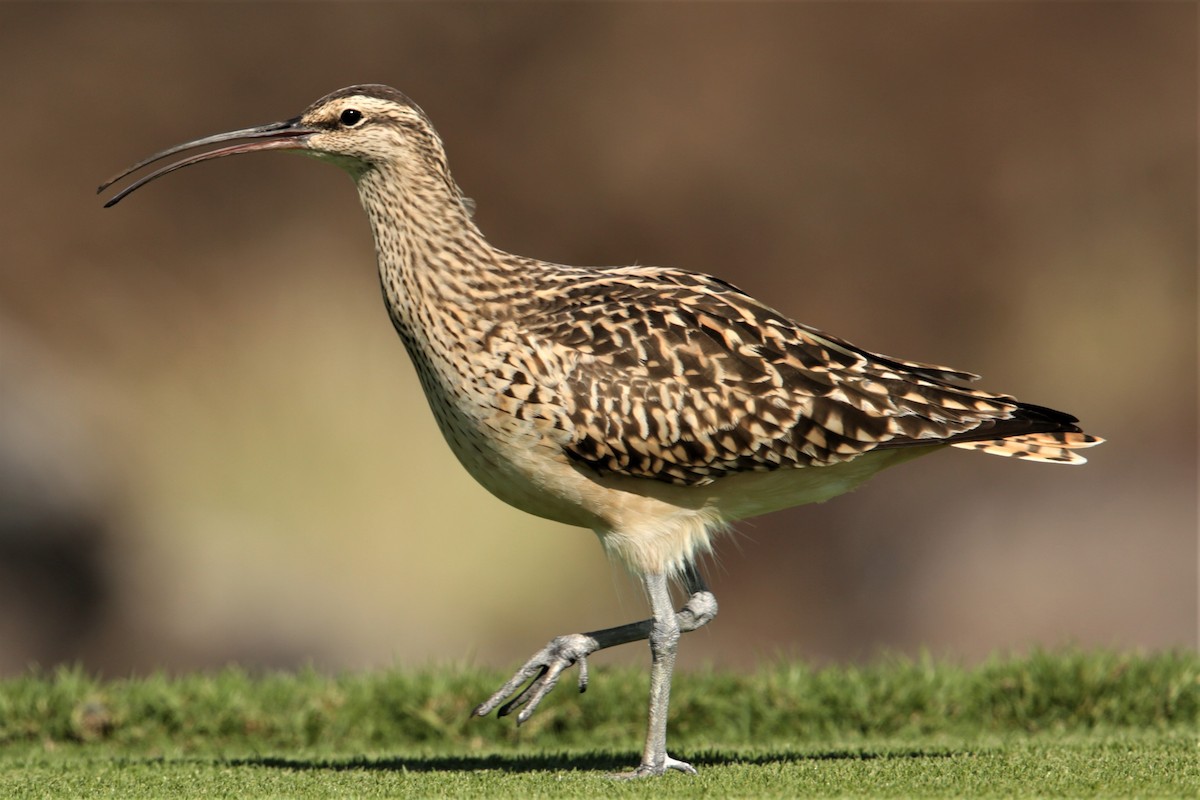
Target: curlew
<point x="653" y="405"/>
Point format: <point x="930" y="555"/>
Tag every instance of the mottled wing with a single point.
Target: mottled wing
<point x="681" y="377"/>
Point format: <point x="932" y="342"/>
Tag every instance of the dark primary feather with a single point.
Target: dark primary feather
<point x="684" y="378"/>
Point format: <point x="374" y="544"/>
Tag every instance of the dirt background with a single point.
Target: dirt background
<point x="213" y="447"/>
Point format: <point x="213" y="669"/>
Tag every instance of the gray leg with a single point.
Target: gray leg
<point x="547" y="665"/>
<point x="664" y="640"/>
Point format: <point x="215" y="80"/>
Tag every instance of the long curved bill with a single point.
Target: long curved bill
<point x="287" y="135"/>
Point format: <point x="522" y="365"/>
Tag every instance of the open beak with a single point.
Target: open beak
<point x="288" y="135"/>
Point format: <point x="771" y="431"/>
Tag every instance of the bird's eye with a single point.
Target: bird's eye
<point x="351" y="117"/>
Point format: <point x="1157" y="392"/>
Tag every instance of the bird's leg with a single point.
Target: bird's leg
<point x="664" y="641"/>
<point x="547" y="665"/>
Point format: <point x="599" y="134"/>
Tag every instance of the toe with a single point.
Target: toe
<point x="651" y="770"/>
<point x="682" y="766"/>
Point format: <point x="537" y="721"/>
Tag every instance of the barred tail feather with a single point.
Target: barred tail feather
<point x="1053" y="448"/>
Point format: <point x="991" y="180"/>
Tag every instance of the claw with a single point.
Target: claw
<point x="545" y="668"/>
<point x="651" y="771"/>
<point x="524" y="697"/>
<point x="681" y="766"/>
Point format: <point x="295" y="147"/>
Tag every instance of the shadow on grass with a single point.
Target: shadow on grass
<point x="564" y="762"/>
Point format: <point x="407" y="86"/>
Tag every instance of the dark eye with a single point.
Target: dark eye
<point x="351" y="117"/>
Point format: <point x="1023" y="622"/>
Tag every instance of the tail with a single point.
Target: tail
<point x="1037" y="434"/>
<point x="1052" y="448"/>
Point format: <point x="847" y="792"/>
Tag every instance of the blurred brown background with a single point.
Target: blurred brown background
<point x="213" y="447"/>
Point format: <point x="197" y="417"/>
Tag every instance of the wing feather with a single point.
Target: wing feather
<point x="684" y="378"/>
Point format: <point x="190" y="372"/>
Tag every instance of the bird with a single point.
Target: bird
<point x="654" y="405"/>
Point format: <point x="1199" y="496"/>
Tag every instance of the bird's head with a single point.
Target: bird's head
<point x="358" y="128"/>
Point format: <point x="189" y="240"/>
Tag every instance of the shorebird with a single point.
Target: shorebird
<point x="653" y="405"/>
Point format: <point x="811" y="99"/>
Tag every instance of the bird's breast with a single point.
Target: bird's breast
<point x="498" y="411"/>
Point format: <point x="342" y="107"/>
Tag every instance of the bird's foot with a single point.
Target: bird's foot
<point x="544" y="668"/>
<point x="652" y="770"/>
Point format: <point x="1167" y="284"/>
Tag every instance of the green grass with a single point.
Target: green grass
<point x="1070" y="723"/>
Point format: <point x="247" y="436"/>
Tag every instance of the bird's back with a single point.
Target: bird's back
<point x="675" y="376"/>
